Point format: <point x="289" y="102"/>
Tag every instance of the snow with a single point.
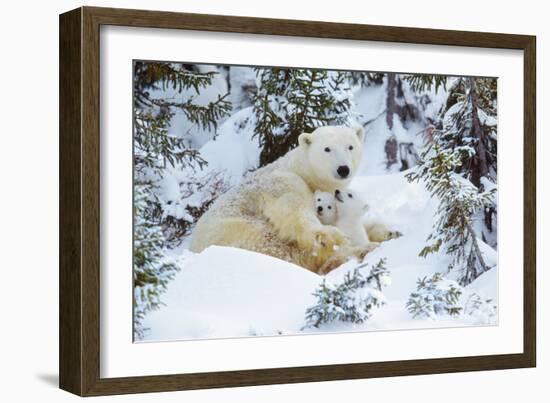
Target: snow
<point x="371" y="105"/>
<point x="242" y="80"/>
<point x="486" y="119"/>
<point x="229" y="157"/>
<point x="233" y="152"/>
<point x="451" y="112"/>
<point x="228" y="292"/>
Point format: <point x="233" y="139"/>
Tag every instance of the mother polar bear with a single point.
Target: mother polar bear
<point x="272" y="210"/>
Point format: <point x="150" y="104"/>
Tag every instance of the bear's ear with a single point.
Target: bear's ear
<point x="305" y="139"/>
<point x="360" y="132"/>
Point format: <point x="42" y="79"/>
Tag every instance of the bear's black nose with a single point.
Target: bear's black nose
<point x="319" y="208"/>
<point x="343" y="171"/>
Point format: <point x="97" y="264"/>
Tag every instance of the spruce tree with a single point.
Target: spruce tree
<point x="424" y="82"/>
<point x="289" y="102"/>
<point x="459" y="201"/>
<point x="154" y="151"/>
<point x="151" y="271"/>
<point x="435" y="296"/>
<point x="154" y="148"/>
<point x="469" y="122"/>
<point x="353" y="300"/>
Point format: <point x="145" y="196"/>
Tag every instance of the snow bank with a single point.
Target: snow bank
<point x="233" y="152"/>
<point x="229" y="292"/>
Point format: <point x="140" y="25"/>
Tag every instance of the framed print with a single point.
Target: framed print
<point x="249" y="201"/>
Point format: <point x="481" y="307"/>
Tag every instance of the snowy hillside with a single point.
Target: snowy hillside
<point x="228" y="292"/>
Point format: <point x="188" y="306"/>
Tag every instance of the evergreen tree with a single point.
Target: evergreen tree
<point x="435" y="296"/>
<point x="154" y="151"/>
<point x="289" y="102"/>
<point x="151" y="271"/>
<point x="469" y="122"/>
<point x="424" y="82"/>
<point x="459" y="201"/>
<point x="351" y="301"/>
<point x="154" y="148"/>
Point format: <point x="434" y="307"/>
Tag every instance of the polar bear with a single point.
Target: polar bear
<point x="272" y="210"/>
<point x="327" y="212"/>
<point x="350" y="209"/>
<point x="325" y="207"/>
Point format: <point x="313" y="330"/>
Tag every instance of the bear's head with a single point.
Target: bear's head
<point x="333" y="154"/>
<point x="325" y="207"/>
<point x="349" y="203"/>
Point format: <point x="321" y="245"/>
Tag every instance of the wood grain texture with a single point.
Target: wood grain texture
<point x="530" y="202"/>
<point x="314" y="29"/>
<point x="91" y="174"/>
<point x="80" y="196"/>
<point x="70" y="270"/>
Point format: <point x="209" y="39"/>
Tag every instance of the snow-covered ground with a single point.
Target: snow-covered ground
<point x="229" y="292"/>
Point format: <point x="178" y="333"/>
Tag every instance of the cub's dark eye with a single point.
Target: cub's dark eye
<point x="350" y="148"/>
<point x="330" y="207"/>
<point x="327" y="150"/>
<point x="350" y="196"/>
<point x="318" y="200"/>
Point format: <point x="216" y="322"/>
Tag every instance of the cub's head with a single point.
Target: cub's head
<point x="349" y="203"/>
<point x="325" y="208"/>
<point x="333" y="153"/>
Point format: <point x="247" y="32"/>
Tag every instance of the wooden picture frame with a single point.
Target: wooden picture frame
<point x="79" y="346"/>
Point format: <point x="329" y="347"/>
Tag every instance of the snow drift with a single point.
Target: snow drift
<point x="228" y="292"/>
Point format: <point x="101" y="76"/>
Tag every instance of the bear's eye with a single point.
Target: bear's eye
<point x="330" y="207"/>
<point x="327" y="150"/>
<point x="350" y="196"/>
<point x="350" y="148"/>
<point x="318" y="200"/>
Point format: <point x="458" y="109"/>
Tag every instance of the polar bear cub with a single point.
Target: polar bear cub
<point x="350" y="209"/>
<point x="325" y="207"/>
<point x="344" y="210"/>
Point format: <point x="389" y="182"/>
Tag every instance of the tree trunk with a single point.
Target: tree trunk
<point x="390" y="149"/>
<point x="472" y="271"/>
<point x="391" y="145"/>
<point x="390" y="100"/>
<point x="480" y="167"/>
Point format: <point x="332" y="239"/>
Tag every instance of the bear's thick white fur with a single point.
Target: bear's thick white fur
<point x="272" y="210"/>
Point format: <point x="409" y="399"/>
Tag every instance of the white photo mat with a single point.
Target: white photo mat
<point x="120" y="357"/>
